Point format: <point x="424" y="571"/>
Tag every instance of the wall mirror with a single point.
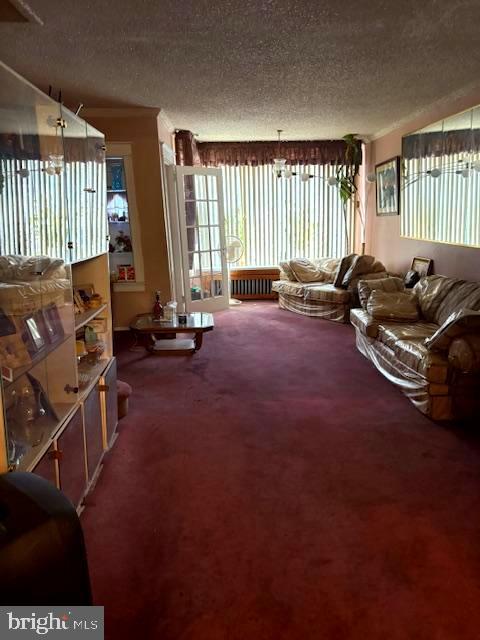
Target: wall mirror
<point x="440" y="199"/>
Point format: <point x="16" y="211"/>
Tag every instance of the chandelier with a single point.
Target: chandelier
<point x="280" y="169"/>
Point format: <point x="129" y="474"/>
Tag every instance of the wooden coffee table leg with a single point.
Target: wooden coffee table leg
<point x="198" y="340"/>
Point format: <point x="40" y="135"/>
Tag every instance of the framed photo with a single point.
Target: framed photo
<point x="52" y="323"/>
<point x="423" y="266"/>
<point x="33" y="336"/>
<point x="7" y="327"/>
<point x="388" y="187"/>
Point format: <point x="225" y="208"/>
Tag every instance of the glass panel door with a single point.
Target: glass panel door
<point x="201" y="221"/>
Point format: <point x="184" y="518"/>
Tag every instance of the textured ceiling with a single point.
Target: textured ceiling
<point x="232" y="70"/>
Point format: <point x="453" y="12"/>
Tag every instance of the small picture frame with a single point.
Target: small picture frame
<point x="7" y="327"/>
<point x="423" y="266"/>
<point x="33" y="335"/>
<point x="388" y="187"/>
<point x="52" y="323"/>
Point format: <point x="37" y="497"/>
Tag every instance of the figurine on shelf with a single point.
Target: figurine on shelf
<point x="123" y="242"/>
<point x="157" y="308"/>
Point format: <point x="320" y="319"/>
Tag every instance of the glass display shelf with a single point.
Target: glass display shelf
<point x="82" y="319"/>
<point x="28" y="443"/>
<point x="89" y="371"/>
<point x="9" y="376"/>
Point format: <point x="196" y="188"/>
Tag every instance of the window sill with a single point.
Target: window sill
<point x="118" y="287"/>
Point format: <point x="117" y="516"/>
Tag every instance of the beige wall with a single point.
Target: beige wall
<point x="383" y="232"/>
<point x="143" y="130"/>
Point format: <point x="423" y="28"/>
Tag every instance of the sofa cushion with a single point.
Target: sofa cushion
<point x="391" y="332"/>
<point x="364" y="322"/>
<point x="430" y="292"/>
<point x="288" y="271"/>
<point x="289" y="288"/>
<point x="365" y="287"/>
<point x="306" y="271"/>
<point x="361" y="265"/>
<point x="399" y="307"/>
<point x="463" y="295"/>
<point x="415" y="355"/>
<point x="343" y="267"/>
<point x="326" y="293"/>
<point x="458" y="323"/>
<point x="329" y="266"/>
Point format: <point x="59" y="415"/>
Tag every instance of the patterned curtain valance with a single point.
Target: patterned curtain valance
<point x="214" y="154"/>
<point x="186" y="152"/>
<point x="438" y="143"/>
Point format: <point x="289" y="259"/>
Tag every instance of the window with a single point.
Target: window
<point x="278" y="219"/>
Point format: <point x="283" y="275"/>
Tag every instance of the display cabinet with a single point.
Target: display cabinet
<point x="126" y="260"/>
<point x="55" y="313"/>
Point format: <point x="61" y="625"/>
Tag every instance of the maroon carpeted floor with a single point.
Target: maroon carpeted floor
<point x="276" y="487"/>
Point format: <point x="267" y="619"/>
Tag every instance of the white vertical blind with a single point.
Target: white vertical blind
<point x="443" y="209"/>
<point x="278" y="218"/>
<point x="37" y="211"/>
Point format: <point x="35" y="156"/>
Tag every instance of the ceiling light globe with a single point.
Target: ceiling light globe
<point x="465" y="173"/>
<point x="435" y="173"/>
<point x="304" y="177"/>
<point x="371" y="177"/>
<point x="332" y="181"/>
<point x="287" y="174"/>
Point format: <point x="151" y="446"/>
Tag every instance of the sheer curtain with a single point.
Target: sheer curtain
<point x="278" y="218"/>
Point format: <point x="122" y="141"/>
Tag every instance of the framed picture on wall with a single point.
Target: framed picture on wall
<point x="388" y="187"/>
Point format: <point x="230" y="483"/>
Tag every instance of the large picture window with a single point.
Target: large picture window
<point x="279" y="218"/>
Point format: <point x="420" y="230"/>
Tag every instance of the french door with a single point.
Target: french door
<point x="202" y="238"/>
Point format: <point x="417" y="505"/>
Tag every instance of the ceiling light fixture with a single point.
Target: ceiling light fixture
<point x="279" y="164"/>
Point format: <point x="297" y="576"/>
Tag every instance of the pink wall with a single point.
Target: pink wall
<point x="383" y="232"/>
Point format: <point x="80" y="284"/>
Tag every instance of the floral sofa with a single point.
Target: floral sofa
<point x="427" y="342"/>
<point x="326" y="287"/>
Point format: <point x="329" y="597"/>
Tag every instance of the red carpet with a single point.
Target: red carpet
<point x="276" y="487"/>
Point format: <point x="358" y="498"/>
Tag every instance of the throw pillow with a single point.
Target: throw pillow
<point x="395" y="307"/>
<point x="457" y="324"/>
<point x="328" y="266"/>
<point x="359" y="265"/>
<point x="390" y="285"/>
<point x="288" y="271"/>
<point x="306" y="271"/>
<point x="342" y="269"/>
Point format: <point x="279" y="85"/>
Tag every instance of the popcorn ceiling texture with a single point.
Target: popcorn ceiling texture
<point x="239" y="70"/>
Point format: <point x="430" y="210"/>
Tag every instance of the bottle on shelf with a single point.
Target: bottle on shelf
<point x="157" y="307"/>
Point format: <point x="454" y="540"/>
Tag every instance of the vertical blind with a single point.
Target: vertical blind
<point x="445" y="208"/>
<point x="41" y="213"/>
<point x="278" y="218"/>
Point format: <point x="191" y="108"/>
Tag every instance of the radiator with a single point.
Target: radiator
<point x="253" y="283"/>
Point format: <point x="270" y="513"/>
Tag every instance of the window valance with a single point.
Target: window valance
<point x="438" y="143"/>
<point x="214" y="154"/>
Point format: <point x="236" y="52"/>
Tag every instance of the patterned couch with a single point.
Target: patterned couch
<point x="326" y="287"/>
<point x="426" y="342"/>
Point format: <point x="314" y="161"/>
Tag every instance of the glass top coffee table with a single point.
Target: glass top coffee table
<point x="160" y="337"/>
